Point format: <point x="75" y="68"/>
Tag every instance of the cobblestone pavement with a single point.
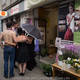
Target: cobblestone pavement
<point x="35" y="74"/>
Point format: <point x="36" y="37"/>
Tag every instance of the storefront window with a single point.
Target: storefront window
<point x="66" y="21"/>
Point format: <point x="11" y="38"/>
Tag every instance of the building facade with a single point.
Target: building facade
<point x="43" y="14"/>
<point x="0" y="18"/>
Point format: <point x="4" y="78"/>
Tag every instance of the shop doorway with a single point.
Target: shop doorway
<point x="48" y="21"/>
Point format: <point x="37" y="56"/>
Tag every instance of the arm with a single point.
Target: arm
<point x="29" y="40"/>
<point x="1" y="36"/>
<point x="68" y="20"/>
<point x="19" y="38"/>
<point x="9" y="43"/>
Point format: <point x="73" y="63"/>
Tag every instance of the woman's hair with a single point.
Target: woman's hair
<point x="14" y="22"/>
<point x="20" y="31"/>
<point x="71" y="5"/>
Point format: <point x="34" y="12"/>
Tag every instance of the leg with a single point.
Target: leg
<point x="12" y="57"/>
<point x="20" y="68"/>
<point x="24" y="67"/>
<point x="15" y="66"/>
<point x="5" y="62"/>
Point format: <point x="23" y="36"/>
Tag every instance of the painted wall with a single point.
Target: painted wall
<point x="51" y="16"/>
<point x="52" y="25"/>
<point x="52" y="30"/>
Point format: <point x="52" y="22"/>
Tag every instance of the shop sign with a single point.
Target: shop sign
<point x="15" y="9"/>
<point x="34" y="2"/>
<point x="58" y="42"/>
<point x="3" y="13"/>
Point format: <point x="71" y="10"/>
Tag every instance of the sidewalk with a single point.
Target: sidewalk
<point x="35" y="74"/>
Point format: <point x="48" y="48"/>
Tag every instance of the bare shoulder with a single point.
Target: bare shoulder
<point x="13" y="32"/>
<point x="2" y="33"/>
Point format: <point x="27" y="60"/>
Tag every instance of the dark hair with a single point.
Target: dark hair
<point x="28" y="20"/>
<point x="8" y="24"/>
<point x="71" y="4"/>
<point x="20" y="31"/>
<point x="23" y="32"/>
<point x="14" y="22"/>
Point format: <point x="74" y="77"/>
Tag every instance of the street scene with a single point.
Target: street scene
<point x="39" y="39"/>
<point x="35" y="74"/>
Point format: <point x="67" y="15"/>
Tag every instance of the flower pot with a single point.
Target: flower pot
<point x="68" y="66"/>
<point x="48" y="74"/>
<point x="60" y="63"/>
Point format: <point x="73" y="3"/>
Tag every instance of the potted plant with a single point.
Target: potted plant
<point x="47" y="70"/>
<point x="69" y="62"/>
<point x="44" y="52"/>
<point x="60" y="59"/>
<point x="76" y="65"/>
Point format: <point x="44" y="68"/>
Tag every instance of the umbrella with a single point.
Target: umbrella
<point x="32" y="30"/>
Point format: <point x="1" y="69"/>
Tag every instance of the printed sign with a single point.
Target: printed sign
<point x="15" y="9"/>
<point x="58" y="42"/>
<point x="3" y="13"/>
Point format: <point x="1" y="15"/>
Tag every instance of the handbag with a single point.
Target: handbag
<point x="68" y="35"/>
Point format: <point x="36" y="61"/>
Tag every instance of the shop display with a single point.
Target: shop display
<point x="77" y="22"/>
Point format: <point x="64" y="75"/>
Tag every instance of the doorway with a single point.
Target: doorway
<point x="48" y="23"/>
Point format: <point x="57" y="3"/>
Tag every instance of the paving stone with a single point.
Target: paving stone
<point x="35" y="74"/>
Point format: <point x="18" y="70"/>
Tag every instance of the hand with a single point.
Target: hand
<point x="24" y="38"/>
<point x="17" y="46"/>
<point x="2" y="46"/>
<point x="10" y="43"/>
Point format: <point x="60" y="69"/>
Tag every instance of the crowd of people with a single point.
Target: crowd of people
<point x="18" y="47"/>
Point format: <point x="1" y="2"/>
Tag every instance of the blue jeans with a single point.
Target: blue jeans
<point x="9" y="53"/>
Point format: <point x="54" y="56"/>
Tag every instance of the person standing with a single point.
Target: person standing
<point x="23" y="55"/>
<point x="31" y="63"/>
<point x="15" y="26"/>
<point x="10" y="40"/>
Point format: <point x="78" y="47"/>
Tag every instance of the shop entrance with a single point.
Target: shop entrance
<point x="48" y="17"/>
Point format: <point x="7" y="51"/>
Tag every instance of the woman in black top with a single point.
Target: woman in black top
<point x="23" y="53"/>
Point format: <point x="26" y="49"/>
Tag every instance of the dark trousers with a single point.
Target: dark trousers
<point x="9" y="53"/>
